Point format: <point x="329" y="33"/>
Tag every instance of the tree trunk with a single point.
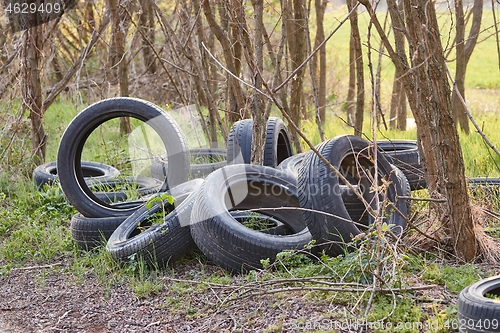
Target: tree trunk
<point x="428" y="91"/>
<point x="32" y="91"/>
<point x="117" y="58"/>
<point x="360" y="80"/>
<point x="351" y="91"/>
<point x="463" y="52"/>
<point x="257" y="105"/>
<point x="146" y="21"/>
<point x="228" y="55"/>
<point x="297" y="49"/>
<point x="398" y="112"/>
<point x="320" y="66"/>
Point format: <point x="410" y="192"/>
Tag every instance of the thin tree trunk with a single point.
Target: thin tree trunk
<point x="398" y="110"/>
<point x="360" y="81"/>
<point x="297" y="49"/>
<point x="351" y="90"/>
<point x="32" y="91"/>
<point x="146" y="23"/>
<point x="228" y="55"/>
<point x="464" y="50"/>
<point x="460" y="66"/>
<point x="257" y="105"/>
<point x="235" y="109"/>
<point x="320" y="66"/>
<point x="118" y="61"/>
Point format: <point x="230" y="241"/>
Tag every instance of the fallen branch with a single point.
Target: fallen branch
<point x="333" y="289"/>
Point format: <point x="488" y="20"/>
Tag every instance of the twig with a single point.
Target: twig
<point x="466" y="108"/>
<point x="27" y="268"/>
<point x="153" y="324"/>
<point x="420" y="199"/>
<point x="410" y="223"/>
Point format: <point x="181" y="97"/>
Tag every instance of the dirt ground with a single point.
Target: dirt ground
<point x="39" y="300"/>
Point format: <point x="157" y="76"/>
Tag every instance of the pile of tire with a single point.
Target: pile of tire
<point x="295" y="200"/>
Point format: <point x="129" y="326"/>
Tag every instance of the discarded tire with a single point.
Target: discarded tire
<point x="227" y="242"/>
<point x="479" y="307"/>
<point x="211" y="158"/>
<point x="356" y="208"/>
<point x="277" y="147"/>
<point x="91" y="232"/>
<point x="157" y="244"/>
<point x="74" y="138"/>
<point x="92" y="171"/>
<point x="319" y="191"/>
<point x="292" y="164"/>
<point x="278" y="144"/>
<point x="405" y="155"/>
<point x="239" y="142"/>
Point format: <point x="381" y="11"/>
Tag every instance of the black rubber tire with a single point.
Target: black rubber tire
<point x="277" y="147"/>
<point x="319" y="190"/>
<point x="357" y="210"/>
<point x="160" y="244"/>
<point x="198" y="170"/>
<point x="292" y="164"/>
<point x="477" y="312"/>
<point x="74" y="138"/>
<point x="91" y="232"/>
<point x="227" y="242"/>
<point x="46" y="174"/>
<point x="405" y="155"/>
<point x="239" y="142"/>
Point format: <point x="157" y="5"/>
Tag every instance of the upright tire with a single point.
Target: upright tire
<point x="239" y="142"/>
<point x="277" y="147"/>
<point x="227" y="242"/>
<point x="73" y="140"/>
<point x="479" y="307"/>
<point x="320" y="189"/>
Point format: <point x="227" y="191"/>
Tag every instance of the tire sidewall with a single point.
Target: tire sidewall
<point x="74" y="138"/>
